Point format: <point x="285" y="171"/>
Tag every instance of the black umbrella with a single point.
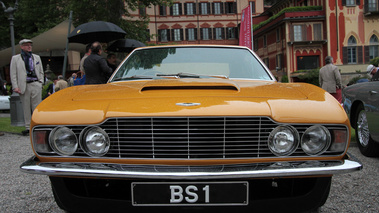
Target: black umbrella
<point x="124" y="45"/>
<point x="96" y="31"/>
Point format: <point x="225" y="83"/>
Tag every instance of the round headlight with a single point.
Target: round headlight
<point x="63" y="141"/>
<point x="95" y="141"/>
<point x="315" y="140"/>
<point x="283" y="140"/>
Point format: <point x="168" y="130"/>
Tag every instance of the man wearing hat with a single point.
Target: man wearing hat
<point x="27" y="77"/>
<point x="373" y="71"/>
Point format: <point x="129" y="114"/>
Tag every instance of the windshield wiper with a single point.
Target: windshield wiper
<point x="134" y="77"/>
<point x="191" y="75"/>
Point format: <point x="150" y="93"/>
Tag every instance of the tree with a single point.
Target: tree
<point x="34" y="17"/>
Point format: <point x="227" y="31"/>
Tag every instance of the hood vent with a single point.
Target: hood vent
<point x="197" y="87"/>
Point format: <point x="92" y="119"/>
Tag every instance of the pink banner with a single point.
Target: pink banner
<point x="245" y="29"/>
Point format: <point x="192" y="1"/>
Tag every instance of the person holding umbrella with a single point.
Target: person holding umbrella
<point x="96" y="67"/>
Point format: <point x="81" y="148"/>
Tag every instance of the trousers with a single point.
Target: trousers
<point x="30" y="100"/>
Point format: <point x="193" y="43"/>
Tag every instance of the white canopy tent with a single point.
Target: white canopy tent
<point x="50" y="43"/>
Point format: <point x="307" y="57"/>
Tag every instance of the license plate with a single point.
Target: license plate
<point x="190" y="193"/>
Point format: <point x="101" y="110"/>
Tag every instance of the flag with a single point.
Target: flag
<point x="245" y="29"/>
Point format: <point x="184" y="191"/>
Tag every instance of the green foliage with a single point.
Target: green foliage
<point x="34" y="17"/>
<point x="355" y="79"/>
<point x="375" y="61"/>
<point x="284" y="79"/>
<point x="44" y="90"/>
<point x="311" y="77"/>
<point x="285" y="10"/>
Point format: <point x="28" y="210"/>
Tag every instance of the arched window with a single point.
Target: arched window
<point x="374" y="47"/>
<point x="352" y="50"/>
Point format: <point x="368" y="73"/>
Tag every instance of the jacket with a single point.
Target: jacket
<point x="330" y="78"/>
<point x="97" y="70"/>
<point x="18" y="71"/>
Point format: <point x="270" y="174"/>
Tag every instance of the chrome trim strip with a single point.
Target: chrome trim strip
<point x="257" y="170"/>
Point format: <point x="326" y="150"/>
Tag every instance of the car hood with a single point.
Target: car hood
<point x="283" y="102"/>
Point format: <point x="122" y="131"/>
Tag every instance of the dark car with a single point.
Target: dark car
<point x="361" y="103"/>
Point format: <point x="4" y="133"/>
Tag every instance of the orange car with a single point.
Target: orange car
<point x="185" y="128"/>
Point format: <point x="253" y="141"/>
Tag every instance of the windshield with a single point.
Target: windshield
<point x="191" y="62"/>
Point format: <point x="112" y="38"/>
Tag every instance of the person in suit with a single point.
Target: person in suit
<point x="60" y="84"/>
<point x="51" y="88"/>
<point x="27" y="76"/>
<point x="96" y="68"/>
<point x="330" y="79"/>
<point x="4" y="90"/>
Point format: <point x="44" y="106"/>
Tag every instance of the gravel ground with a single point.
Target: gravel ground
<point x="21" y="192"/>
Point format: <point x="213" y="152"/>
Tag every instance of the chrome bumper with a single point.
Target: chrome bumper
<point x="256" y="170"/>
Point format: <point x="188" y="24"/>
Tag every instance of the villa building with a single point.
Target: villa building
<point x="197" y="21"/>
<point x="297" y="35"/>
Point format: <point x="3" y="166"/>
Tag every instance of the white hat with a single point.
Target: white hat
<point x="23" y="41"/>
<point x="370" y="68"/>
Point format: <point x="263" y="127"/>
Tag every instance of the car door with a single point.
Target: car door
<point x="372" y="107"/>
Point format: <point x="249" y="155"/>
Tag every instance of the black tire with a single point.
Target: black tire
<point x="366" y="144"/>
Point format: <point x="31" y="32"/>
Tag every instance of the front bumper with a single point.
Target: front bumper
<point x="256" y="170"/>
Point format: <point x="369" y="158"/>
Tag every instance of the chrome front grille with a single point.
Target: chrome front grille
<point x="191" y="137"/>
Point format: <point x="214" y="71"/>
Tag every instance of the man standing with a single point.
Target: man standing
<point x="112" y="61"/>
<point x="61" y="84"/>
<point x="330" y="79"/>
<point x="96" y="69"/>
<point x="27" y="77"/>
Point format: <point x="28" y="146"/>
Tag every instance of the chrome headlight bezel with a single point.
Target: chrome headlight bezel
<point x="63" y="141"/>
<point x="89" y="148"/>
<point x="287" y="132"/>
<point x="309" y="134"/>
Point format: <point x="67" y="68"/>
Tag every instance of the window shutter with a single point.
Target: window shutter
<point x="208" y="8"/>
<point x="358" y="2"/>
<point x="235" y="7"/>
<point x="185" y="8"/>
<point x="201" y="33"/>
<point x="223" y="33"/>
<point x="195" y="33"/>
<point x="213" y="34"/>
<point x="180" y="9"/>
<point x="360" y="55"/>
<point x="186" y="34"/>
<point x="292" y="34"/>
<point x="304" y="32"/>
<point x="171" y="11"/>
<point x="367" y="54"/>
<point x="213" y="8"/>
<point x="344" y="55"/>
<point x="168" y="35"/>
<point x="343" y="2"/>
<point x="181" y="35"/>
<point x="159" y="35"/>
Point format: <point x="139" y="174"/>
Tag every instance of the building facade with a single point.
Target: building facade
<point x="197" y="21"/>
<point x="296" y="35"/>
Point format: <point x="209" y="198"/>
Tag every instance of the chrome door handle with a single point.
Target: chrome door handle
<point x="372" y="92"/>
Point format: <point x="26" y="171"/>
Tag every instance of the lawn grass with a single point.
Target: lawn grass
<point x="5" y="126"/>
